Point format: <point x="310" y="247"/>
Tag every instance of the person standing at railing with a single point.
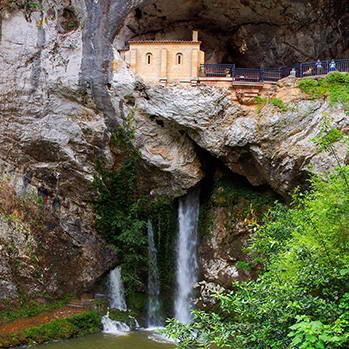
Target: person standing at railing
<point x="333" y="65"/>
<point x="319" y="68"/>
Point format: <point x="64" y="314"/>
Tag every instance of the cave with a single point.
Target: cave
<point x="68" y="21"/>
<point x="248" y="33"/>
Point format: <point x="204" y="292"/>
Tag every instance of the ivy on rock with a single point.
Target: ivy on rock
<point x="123" y="210"/>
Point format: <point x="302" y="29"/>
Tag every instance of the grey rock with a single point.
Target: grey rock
<point x="62" y="94"/>
<point x="270" y="147"/>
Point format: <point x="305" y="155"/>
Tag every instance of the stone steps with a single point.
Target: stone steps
<point x="247" y="95"/>
<point x="82" y="303"/>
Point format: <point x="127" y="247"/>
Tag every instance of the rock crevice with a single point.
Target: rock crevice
<point x="62" y="93"/>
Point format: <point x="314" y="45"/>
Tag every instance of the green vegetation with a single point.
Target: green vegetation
<point x="335" y="86"/>
<point x="128" y="317"/>
<point x="77" y="325"/>
<point x="276" y="102"/>
<point x="28" y="308"/>
<point x="300" y="299"/>
<point x="120" y="209"/>
<point x="242" y="202"/>
<point x="27" y="5"/>
<point x="27" y="209"/>
<point x="327" y="138"/>
<point x="123" y="210"/>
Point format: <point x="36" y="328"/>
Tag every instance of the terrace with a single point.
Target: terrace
<point x="229" y="72"/>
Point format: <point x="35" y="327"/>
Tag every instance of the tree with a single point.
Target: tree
<point x="302" y="294"/>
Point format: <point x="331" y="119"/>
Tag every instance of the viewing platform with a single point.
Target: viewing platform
<point x="183" y="61"/>
<point x="229" y="72"/>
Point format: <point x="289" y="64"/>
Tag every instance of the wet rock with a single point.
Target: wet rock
<point x="206" y="291"/>
<point x="51" y="137"/>
<point x="48" y="261"/>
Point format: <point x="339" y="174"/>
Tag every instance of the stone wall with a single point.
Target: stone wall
<point x="163" y="60"/>
<point x="249" y="33"/>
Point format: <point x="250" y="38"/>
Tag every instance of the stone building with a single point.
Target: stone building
<point x="166" y="60"/>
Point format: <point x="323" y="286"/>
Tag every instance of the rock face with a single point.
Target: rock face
<point x="51" y="136"/>
<point x="267" y="147"/>
<point x="248" y="32"/>
<point x="228" y="214"/>
<point x="52" y="262"/>
<point x="63" y="90"/>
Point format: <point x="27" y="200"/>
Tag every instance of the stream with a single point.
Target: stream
<point x="133" y="340"/>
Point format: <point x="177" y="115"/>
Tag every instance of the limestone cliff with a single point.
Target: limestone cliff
<point x="249" y="33"/>
<point x="63" y="89"/>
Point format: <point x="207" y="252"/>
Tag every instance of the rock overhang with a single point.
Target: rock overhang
<point x="249" y="33"/>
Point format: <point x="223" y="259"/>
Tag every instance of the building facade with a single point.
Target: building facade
<point x="166" y="60"/>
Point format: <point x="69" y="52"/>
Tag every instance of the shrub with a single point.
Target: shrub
<point x="123" y="210"/>
<point x="335" y="86"/>
<point x="301" y="297"/>
<point x="276" y="102"/>
<point x="307" y="334"/>
<point x="28" y="308"/>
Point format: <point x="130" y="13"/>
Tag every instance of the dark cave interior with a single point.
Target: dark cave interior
<point x="266" y="33"/>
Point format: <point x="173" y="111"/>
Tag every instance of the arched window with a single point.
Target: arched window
<point x="148" y="58"/>
<point x="179" y="58"/>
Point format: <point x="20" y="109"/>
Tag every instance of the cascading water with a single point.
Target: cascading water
<point x="187" y="264"/>
<point x="154" y="315"/>
<point x="114" y="327"/>
<point x="117" y="301"/>
<point x="116" y="290"/>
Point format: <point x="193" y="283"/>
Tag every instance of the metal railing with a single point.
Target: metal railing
<point x="248" y="74"/>
<point x="218" y="70"/>
<point x="272" y="74"/>
<point x="323" y="67"/>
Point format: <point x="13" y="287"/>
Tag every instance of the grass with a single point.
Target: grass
<point x="335" y="87"/>
<point x="276" y="102"/>
<point x="26" y="309"/>
<point x="77" y="325"/>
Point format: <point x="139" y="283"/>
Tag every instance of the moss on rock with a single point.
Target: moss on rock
<point x="78" y="325"/>
<point x="128" y="317"/>
<point x="228" y="215"/>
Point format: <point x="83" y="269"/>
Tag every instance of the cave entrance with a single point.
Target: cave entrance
<point x="247" y="33"/>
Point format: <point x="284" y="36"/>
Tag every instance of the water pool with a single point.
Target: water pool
<point x="133" y="340"/>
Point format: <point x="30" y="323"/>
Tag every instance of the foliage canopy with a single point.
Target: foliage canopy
<point x="300" y="300"/>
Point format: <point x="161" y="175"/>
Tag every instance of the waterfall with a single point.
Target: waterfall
<point x="114" y="327"/>
<point x="116" y="290"/>
<point x="117" y="301"/>
<point x="187" y="264"/>
<point x="154" y="317"/>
